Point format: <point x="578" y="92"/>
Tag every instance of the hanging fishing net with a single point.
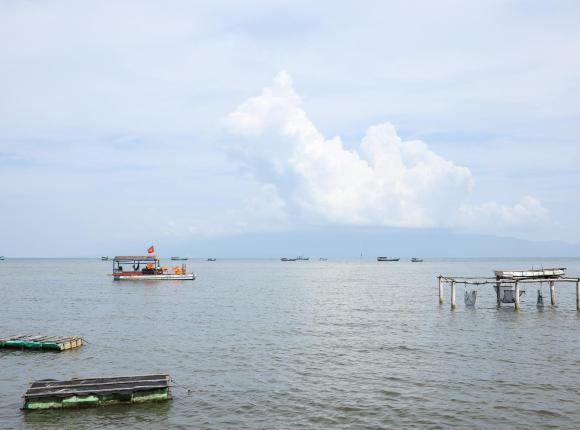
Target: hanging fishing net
<point x="540" y="301"/>
<point x="470" y="297"/>
<point x="509" y="296"/>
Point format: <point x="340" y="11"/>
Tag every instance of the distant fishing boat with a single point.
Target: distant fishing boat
<point x="323" y="259"/>
<point x="179" y="258"/>
<point x="1" y="257"/>
<point x="211" y="259"/>
<point x="387" y="259"/>
<point x="105" y="258"/>
<point x="299" y="258"/>
<point x="416" y="260"/>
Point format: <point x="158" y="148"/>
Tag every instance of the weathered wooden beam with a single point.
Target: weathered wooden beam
<point x="440" y="291"/>
<point x="86" y="384"/>
<point x="95" y="390"/>
<point x="493" y="281"/>
<point x="578" y="296"/>
<point x="552" y="293"/>
<point x="517" y="298"/>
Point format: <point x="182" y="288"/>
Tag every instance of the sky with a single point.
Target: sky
<point x="126" y="123"/>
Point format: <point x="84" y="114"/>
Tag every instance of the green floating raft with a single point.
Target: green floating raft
<point x="74" y="393"/>
<point x="41" y="343"/>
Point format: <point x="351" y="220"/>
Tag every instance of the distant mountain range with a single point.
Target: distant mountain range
<point x="345" y="242"/>
<point x="349" y="242"/>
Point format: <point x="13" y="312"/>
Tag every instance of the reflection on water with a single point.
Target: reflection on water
<point x="146" y="415"/>
<point x="266" y="344"/>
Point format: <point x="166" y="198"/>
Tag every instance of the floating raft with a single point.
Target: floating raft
<point x="78" y="392"/>
<point x="45" y="343"/>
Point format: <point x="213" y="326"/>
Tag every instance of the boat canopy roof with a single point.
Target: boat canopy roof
<point x="135" y="258"/>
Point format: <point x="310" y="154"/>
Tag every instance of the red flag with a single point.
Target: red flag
<point x="151" y="249"/>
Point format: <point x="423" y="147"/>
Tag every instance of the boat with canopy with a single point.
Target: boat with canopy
<point x="147" y="267"/>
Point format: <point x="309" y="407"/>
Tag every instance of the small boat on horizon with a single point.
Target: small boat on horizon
<point x="211" y="259"/>
<point x="299" y="258"/>
<point x="179" y="258"/>
<point x="416" y="260"/>
<point x="1" y="257"/>
<point x="323" y="259"/>
<point x="387" y="259"/>
<point x="105" y="258"/>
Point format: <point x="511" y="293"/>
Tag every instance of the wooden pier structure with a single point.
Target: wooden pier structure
<point x="41" y="343"/>
<point x="90" y="392"/>
<point x="512" y="281"/>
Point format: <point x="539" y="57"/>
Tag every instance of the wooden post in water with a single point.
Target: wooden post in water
<point x="578" y="295"/>
<point x="453" y="304"/>
<point x="552" y="293"/>
<point x="517" y="292"/>
<point x="440" y="291"/>
<point x="497" y="293"/>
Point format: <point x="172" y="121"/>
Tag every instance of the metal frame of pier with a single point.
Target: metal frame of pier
<point x="497" y="282"/>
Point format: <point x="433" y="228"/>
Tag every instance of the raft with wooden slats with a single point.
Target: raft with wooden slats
<point x="41" y="343"/>
<point x="79" y="392"/>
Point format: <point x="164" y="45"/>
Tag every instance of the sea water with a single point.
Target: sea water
<point x="308" y="344"/>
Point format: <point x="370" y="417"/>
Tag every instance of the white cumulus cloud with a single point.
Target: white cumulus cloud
<point x="384" y="181"/>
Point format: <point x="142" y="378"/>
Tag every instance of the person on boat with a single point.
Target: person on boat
<point x="148" y="270"/>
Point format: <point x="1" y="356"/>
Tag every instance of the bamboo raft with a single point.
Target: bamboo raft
<point x="42" y="343"/>
<point x="91" y="392"/>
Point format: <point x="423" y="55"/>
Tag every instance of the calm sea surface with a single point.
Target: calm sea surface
<point x="265" y="344"/>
